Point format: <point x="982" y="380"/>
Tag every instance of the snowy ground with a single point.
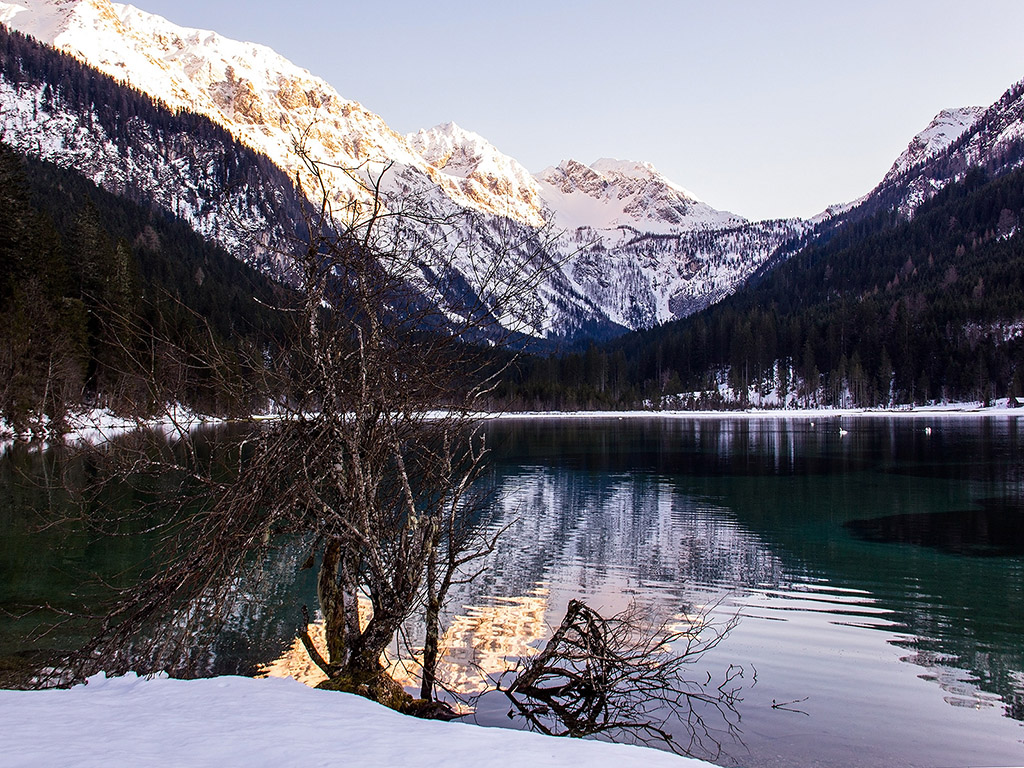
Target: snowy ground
<point x="236" y="721"/>
<point x="999" y="408"/>
<point x="99" y="425"/>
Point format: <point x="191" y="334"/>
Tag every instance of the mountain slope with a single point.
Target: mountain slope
<point x="95" y="287"/>
<point x="614" y="193"/>
<point x="265" y="102"/>
<point x="628" y="248"/>
<point x="259" y="96"/>
<point x="955" y="141"/>
<point x="947" y="126"/>
<point x="889" y="311"/>
<point x="57" y="109"/>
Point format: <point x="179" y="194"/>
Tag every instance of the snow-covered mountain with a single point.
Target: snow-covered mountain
<point x="648" y="250"/>
<point x="55" y="108"/>
<point x="610" y="194"/>
<point x="473" y="171"/>
<point x="633" y="248"/>
<point x="259" y="96"/>
<point x="590" y="218"/>
<point x="953" y="142"/>
<point x="947" y="126"/>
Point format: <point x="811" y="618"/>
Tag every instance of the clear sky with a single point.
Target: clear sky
<point x="763" y="108"/>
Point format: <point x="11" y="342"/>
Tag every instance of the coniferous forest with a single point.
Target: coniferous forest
<point x="879" y="312"/>
<point x="870" y="309"/>
<point x="95" y="289"/>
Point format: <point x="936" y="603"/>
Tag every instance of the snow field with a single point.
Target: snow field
<point x="229" y="721"/>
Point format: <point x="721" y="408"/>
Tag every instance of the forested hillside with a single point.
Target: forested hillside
<point x="58" y="109"/>
<point x="96" y="290"/>
<point x="884" y="311"/>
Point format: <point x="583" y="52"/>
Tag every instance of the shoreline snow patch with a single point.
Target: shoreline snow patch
<point x="269" y="721"/>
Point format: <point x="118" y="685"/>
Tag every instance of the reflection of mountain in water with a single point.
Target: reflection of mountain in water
<point x="610" y="539"/>
<point x="665" y="513"/>
<point x="603" y="534"/>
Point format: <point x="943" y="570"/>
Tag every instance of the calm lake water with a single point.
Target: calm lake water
<point x="876" y="565"/>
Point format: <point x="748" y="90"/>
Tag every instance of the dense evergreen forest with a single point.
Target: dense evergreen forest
<point x="881" y="311"/>
<point x="107" y="302"/>
<point x="99" y="293"/>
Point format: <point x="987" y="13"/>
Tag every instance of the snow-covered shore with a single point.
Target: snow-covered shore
<point x="98" y="426"/>
<point x="998" y="408"/>
<point x="236" y="721"/>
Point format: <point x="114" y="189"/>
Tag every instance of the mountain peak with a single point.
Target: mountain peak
<point x="610" y="193"/>
<point x="438" y="145"/>
<point x="467" y="165"/>
<point x="631" y="168"/>
<point x="638" y="171"/>
<point x="944" y="129"/>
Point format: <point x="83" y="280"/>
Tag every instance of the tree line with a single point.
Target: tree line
<point x="97" y="293"/>
<point x="882" y="311"/>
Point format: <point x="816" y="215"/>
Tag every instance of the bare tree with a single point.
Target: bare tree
<point x="626" y="678"/>
<point x="374" y="450"/>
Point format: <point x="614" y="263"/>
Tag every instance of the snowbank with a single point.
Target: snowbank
<point x="998" y="408"/>
<point x="99" y="425"/>
<point x="228" y="721"/>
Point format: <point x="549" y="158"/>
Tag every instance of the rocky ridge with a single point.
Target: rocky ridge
<point x="634" y="249"/>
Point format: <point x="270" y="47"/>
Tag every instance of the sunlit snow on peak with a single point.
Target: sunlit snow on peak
<point x="947" y="126"/>
<point x="632" y="247"/>
<point x="469" y="166"/>
<point x="610" y="194"/>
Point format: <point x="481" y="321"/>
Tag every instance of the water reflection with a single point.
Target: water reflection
<point x="832" y="538"/>
<point x="609" y="534"/>
<point x="682" y="506"/>
<point x="480" y="643"/>
<point x="60" y="570"/>
<point x="610" y="539"/>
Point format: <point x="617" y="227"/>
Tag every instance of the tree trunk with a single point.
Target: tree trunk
<point x="433" y="621"/>
<point x="365" y="651"/>
<point x="338" y="602"/>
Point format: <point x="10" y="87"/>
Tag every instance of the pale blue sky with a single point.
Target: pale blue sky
<point x="763" y="108"/>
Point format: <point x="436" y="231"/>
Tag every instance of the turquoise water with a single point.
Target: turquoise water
<point x="875" y="564"/>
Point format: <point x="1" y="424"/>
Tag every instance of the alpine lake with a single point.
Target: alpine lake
<point x="874" y="565"/>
